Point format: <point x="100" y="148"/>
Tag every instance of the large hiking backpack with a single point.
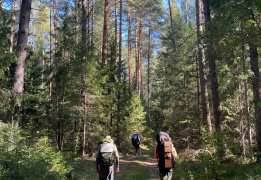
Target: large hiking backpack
<point x="165" y="152"/>
<point x="106" y="155"/>
<point x="135" y="140"/>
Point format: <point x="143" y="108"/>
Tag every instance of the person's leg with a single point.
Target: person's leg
<point x="169" y="175"/>
<point x="136" y="151"/>
<point x="166" y="176"/>
<point x="111" y="173"/>
<point x="104" y="172"/>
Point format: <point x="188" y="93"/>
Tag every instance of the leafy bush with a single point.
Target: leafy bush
<point x="20" y="158"/>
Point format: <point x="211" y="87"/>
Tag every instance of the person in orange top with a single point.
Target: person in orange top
<point x="165" y="173"/>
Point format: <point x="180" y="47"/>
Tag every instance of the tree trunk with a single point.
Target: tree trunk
<point x="198" y="96"/>
<point x="257" y="96"/>
<point x="89" y="20"/>
<point x="136" y="57"/>
<point x="170" y="14"/>
<point x="213" y="72"/>
<point x="202" y="68"/>
<point x="129" y="49"/>
<point x="51" y="62"/>
<point x="92" y="23"/>
<point x="249" y="132"/>
<point x="148" y="105"/>
<point x="120" y="41"/>
<point x="42" y="74"/>
<point x="139" y="60"/>
<point x="76" y="21"/>
<point x="12" y="26"/>
<point x="18" y="75"/>
<point x="55" y="27"/>
<point x="84" y="44"/>
<point x="119" y="75"/>
<point x="105" y="25"/>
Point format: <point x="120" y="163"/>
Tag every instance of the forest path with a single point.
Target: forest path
<point x="142" y="167"/>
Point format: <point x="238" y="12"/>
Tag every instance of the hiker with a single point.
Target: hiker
<point x="136" y="143"/>
<point x="166" y="155"/>
<point x="107" y="150"/>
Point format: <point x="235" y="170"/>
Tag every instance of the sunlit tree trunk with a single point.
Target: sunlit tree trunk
<point x="119" y="74"/>
<point x="249" y="131"/>
<point x="105" y="25"/>
<point x="12" y="26"/>
<point x="202" y="68"/>
<point x="19" y="66"/>
<point x="129" y="48"/>
<point x="148" y="83"/>
<point x="139" y="60"/>
<point x="55" y="26"/>
<point x="136" y="57"/>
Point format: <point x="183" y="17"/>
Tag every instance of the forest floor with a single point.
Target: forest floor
<point x="144" y="167"/>
<point x="139" y="167"/>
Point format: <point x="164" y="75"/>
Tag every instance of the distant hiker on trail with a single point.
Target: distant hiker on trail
<point x="107" y="150"/>
<point x="166" y="155"/>
<point x="136" y="143"/>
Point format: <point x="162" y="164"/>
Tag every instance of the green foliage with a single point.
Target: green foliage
<point x="210" y="156"/>
<point x="20" y="158"/>
<point x="83" y="169"/>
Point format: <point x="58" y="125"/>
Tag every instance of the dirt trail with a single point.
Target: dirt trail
<point x="147" y="161"/>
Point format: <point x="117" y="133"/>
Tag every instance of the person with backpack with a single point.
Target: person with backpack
<point x="107" y="151"/>
<point x="136" y="143"/>
<point x="166" y="155"/>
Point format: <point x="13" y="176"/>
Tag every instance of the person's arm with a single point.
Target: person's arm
<point x="115" y="150"/>
<point x="97" y="160"/>
<point x="156" y="154"/>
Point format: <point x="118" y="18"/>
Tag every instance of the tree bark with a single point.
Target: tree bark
<point x="257" y="96"/>
<point x="84" y="46"/>
<point x="119" y="75"/>
<point x="76" y="21"/>
<point x="213" y="72"/>
<point x="92" y="23"/>
<point x="249" y="131"/>
<point x="148" y="105"/>
<point x="120" y="41"/>
<point x="105" y="25"/>
<point x="129" y="49"/>
<point x="51" y="62"/>
<point x="18" y="75"/>
<point x="12" y="26"/>
<point x="55" y="27"/>
<point x="136" y="57"/>
<point x="170" y="13"/>
<point x="202" y="68"/>
<point x="139" y="60"/>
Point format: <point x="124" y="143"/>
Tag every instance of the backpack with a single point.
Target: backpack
<point x="135" y="140"/>
<point x="164" y="150"/>
<point x="106" y="155"/>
